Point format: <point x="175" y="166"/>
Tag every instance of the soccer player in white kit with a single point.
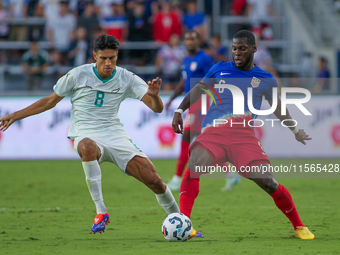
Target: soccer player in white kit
<point x="96" y="93"/>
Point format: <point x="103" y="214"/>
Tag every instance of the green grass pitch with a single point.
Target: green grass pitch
<point x="45" y="208"/>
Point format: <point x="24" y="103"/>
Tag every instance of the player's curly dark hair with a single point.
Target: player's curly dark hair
<point x="104" y="42"/>
<point x="246" y="34"/>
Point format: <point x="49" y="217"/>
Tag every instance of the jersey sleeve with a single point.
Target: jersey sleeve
<point x="208" y="63"/>
<point x="138" y="87"/>
<point x="210" y="75"/>
<point x="65" y="85"/>
<point x="268" y="93"/>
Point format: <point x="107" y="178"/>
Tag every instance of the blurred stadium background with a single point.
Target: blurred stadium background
<point x="299" y="43"/>
<point x="49" y="201"/>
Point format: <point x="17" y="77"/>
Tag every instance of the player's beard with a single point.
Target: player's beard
<point x="248" y="60"/>
<point x="193" y="51"/>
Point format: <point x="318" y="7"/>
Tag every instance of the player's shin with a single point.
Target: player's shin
<point x="285" y="203"/>
<point x="189" y="191"/>
<point x="183" y="158"/>
<point x="167" y="201"/>
<point x="93" y="178"/>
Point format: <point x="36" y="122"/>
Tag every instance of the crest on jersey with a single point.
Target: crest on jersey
<point x="193" y="66"/>
<point x="255" y="82"/>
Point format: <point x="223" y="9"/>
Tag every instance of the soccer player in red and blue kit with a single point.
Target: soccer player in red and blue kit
<point x="195" y="65"/>
<point x="236" y="143"/>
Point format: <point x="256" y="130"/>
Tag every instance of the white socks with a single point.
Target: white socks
<point x="93" y="178"/>
<point x="167" y="201"/>
<point x="94" y="183"/>
<point x="177" y="179"/>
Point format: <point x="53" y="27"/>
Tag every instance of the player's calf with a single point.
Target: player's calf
<point x="265" y="180"/>
<point x="269" y="185"/>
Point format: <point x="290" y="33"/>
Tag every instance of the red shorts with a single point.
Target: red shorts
<point x="236" y="145"/>
<point x="193" y="119"/>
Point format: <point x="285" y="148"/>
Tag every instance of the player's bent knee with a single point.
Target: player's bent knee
<point x="269" y="185"/>
<point x="87" y="149"/>
<point x="199" y="158"/>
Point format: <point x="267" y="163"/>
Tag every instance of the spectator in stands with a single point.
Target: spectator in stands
<point x="165" y="23"/>
<point x="4" y="27"/>
<point x="194" y="20"/>
<point x="59" y="31"/>
<point x="36" y="32"/>
<point x="116" y="24"/>
<point x="18" y="10"/>
<point x="260" y="13"/>
<point x="35" y="61"/>
<point x="97" y="31"/>
<point x="77" y="7"/>
<point x="103" y="7"/>
<point x="139" y="31"/>
<point x="89" y="20"/>
<point x="79" y="49"/>
<point x="177" y="7"/>
<point x="263" y="59"/>
<point x="55" y="65"/>
<point x="4" y="30"/>
<point x="307" y="67"/>
<point x="218" y="51"/>
<point x="169" y="60"/>
<point x="238" y="7"/>
<point x="48" y="9"/>
<point x="139" y="25"/>
<point x="323" y="83"/>
<point x="337" y="5"/>
<point x="32" y="6"/>
<point x="151" y="6"/>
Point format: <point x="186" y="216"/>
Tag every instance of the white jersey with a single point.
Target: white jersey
<point x="95" y="101"/>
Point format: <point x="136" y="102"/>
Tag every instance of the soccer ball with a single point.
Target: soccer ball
<point x="176" y="227"/>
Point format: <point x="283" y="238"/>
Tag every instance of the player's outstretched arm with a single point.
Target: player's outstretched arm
<point x="191" y="98"/>
<point x="40" y="106"/>
<point x="178" y="91"/>
<point x="151" y="98"/>
<point x="300" y="134"/>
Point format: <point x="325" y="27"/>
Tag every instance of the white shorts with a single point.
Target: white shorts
<point x="118" y="149"/>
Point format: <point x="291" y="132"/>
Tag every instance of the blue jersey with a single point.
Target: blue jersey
<point x="226" y="73"/>
<point x="195" y="67"/>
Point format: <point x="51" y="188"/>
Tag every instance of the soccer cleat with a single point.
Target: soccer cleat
<point x="195" y="233"/>
<point x="100" y="221"/>
<point x="230" y="183"/>
<point x="174" y="185"/>
<point x="304" y="233"/>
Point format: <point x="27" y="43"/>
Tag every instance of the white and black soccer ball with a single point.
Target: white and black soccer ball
<point x="176" y="227"/>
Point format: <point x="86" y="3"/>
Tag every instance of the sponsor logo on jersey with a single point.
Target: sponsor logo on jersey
<point x="114" y="91"/>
